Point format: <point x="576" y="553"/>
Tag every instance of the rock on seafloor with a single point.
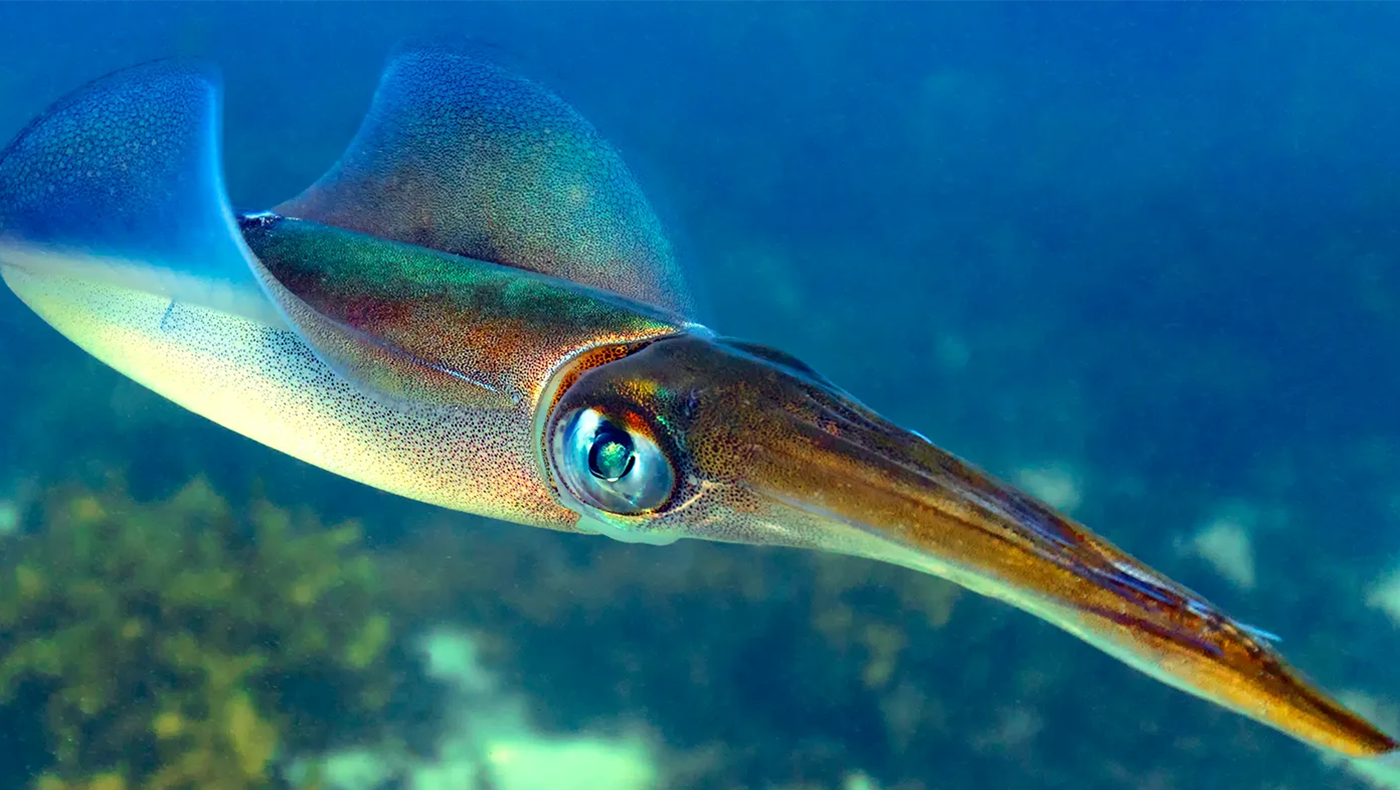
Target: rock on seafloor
<point x="487" y="742"/>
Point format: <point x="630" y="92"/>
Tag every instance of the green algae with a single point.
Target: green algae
<point x="170" y="633"/>
<point x="177" y="638"/>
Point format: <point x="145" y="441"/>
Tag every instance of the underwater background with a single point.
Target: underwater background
<point x="1143" y="260"/>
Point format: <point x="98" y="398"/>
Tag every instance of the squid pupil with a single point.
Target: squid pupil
<point x="611" y="456"/>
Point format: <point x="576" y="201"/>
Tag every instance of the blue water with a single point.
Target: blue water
<point x="1152" y="248"/>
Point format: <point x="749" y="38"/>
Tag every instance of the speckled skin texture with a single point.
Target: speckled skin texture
<point x="458" y="155"/>
<point x="435" y="327"/>
<point x="267" y="384"/>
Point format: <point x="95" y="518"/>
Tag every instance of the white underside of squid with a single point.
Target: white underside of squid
<point x="260" y="381"/>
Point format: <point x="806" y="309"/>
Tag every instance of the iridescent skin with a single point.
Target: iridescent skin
<point x="435" y="315"/>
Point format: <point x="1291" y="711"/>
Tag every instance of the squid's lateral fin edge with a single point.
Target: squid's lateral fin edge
<point x="121" y="182"/>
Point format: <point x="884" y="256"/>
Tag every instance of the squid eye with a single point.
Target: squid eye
<point x="606" y="466"/>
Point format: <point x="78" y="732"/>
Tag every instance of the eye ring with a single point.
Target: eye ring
<point x="608" y="466"/>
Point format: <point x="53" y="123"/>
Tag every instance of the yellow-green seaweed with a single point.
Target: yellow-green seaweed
<point x="168" y="633"/>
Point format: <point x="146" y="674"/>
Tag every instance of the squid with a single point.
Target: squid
<point x="476" y="307"/>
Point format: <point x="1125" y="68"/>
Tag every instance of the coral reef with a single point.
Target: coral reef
<point x="173" y="643"/>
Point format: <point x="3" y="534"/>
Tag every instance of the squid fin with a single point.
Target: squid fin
<point x="463" y="157"/>
<point x="121" y="182"/>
